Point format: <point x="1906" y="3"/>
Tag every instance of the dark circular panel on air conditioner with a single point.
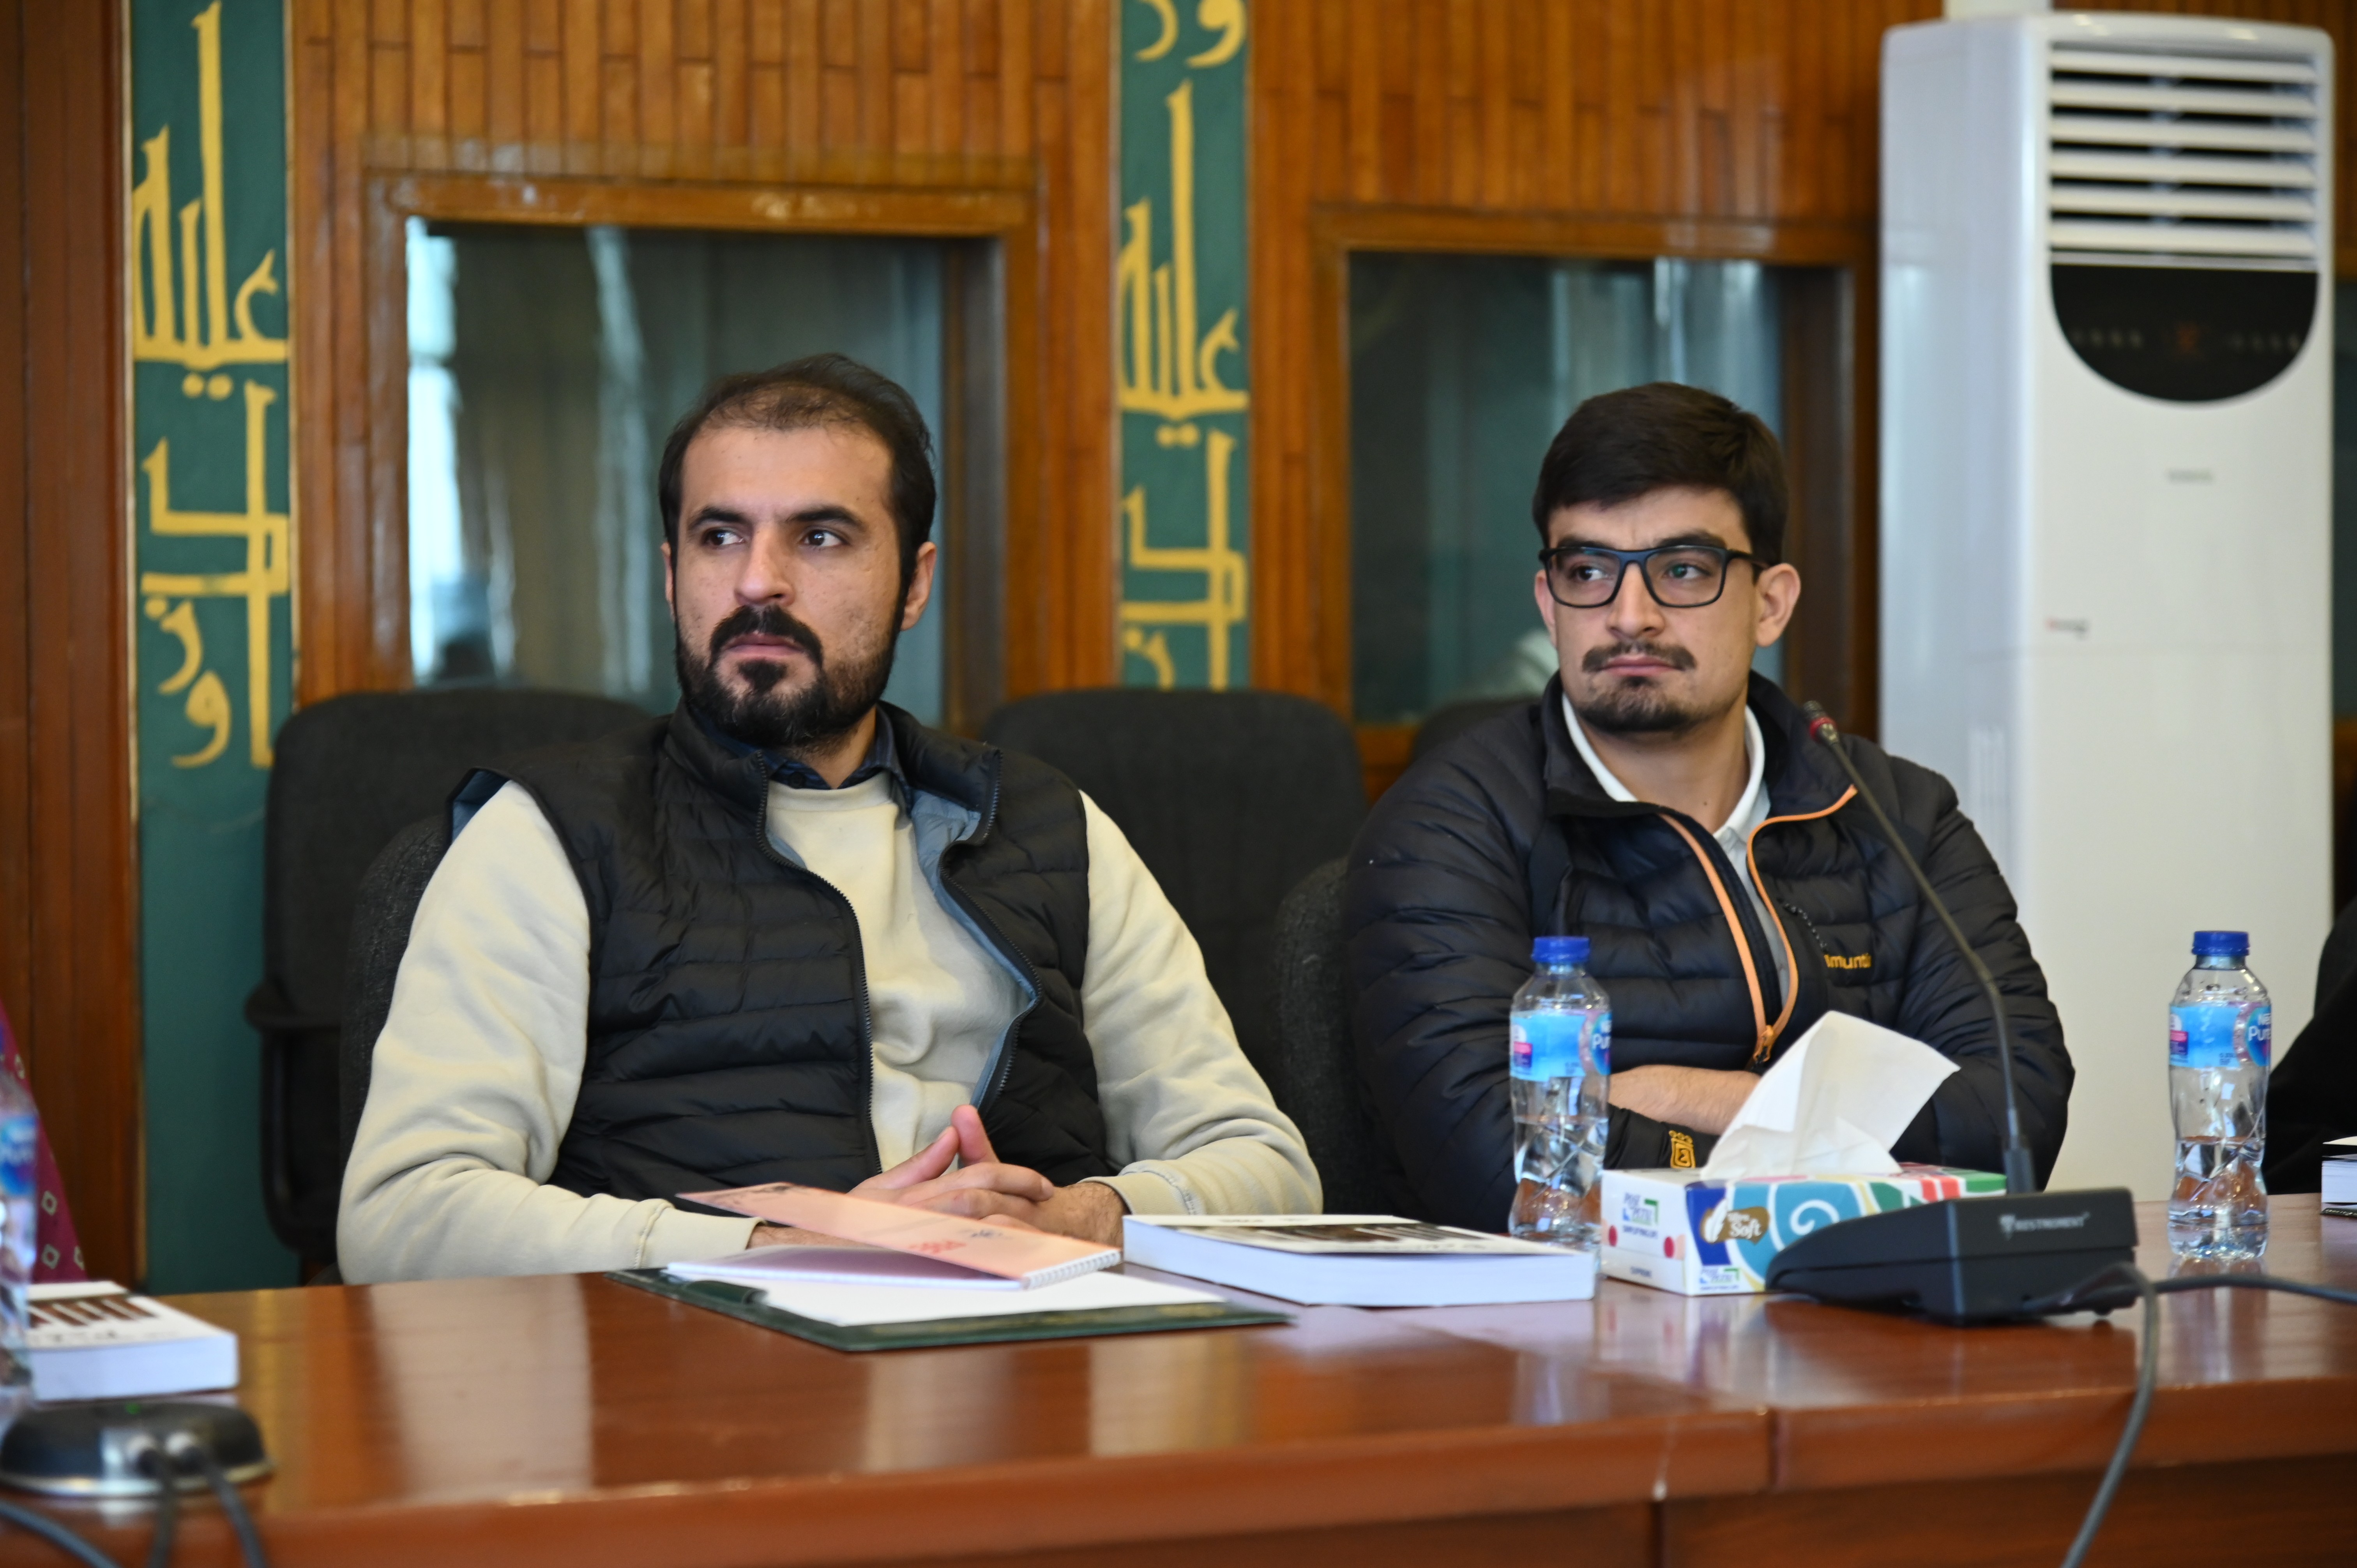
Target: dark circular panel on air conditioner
<point x="2187" y="334"/>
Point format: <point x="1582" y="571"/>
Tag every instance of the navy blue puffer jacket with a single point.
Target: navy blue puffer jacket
<point x="1504" y="833"/>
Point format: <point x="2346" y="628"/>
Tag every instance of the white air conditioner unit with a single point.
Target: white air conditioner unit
<point x="2105" y="518"/>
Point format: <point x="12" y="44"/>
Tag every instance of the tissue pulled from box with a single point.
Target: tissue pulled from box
<point x="1833" y="1104"/>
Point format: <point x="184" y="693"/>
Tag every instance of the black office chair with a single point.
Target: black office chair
<point x="1445" y="725"/>
<point x="1314" y="1071"/>
<point x="2312" y="1092"/>
<point x="383" y="909"/>
<point x="352" y="773"/>
<point x="1228" y="797"/>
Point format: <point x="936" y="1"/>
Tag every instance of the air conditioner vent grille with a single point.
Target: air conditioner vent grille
<point x="2182" y="157"/>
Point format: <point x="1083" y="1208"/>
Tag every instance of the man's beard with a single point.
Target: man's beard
<point x="1638" y="707"/>
<point x="794" y="723"/>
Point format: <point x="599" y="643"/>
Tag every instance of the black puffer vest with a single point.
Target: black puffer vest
<point x="728" y="1010"/>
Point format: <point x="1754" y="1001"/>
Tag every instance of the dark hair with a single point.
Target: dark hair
<point x="1622" y="444"/>
<point x="824" y="389"/>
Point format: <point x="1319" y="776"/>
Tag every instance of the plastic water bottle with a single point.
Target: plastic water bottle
<point x="2221" y="1037"/>
<point x="20" y="1138"/>
<point x="1562" y="1034"/>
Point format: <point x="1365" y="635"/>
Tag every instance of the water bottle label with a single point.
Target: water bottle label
<point x="20" y="1146"/>
<point x="1546" y="1045"/>
<point x="2204" y="1038"/>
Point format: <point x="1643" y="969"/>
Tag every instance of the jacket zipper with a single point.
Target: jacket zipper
<point x="1763" y="1035"/>
<point x="1004" y="1064"/>
<point x="1791" y="961"/>
<point x="858" y="965"/>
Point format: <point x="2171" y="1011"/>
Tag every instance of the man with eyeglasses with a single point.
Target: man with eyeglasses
<point x="1666" y="803"/>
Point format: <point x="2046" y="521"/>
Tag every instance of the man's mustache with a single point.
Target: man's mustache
<point x="1594" y="661"/>
<point x="767" y="620"/>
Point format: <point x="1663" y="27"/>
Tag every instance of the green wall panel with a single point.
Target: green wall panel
<point x="1184" y="532"/>
<point x="207" y="237"/>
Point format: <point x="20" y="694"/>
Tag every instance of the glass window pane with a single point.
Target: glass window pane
<point x="547" y="367"/>
<point x="1462" y="369"/>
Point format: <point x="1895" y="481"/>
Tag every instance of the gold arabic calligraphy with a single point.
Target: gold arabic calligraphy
<point x="1224" y="568"/>
<point x="1169" y="369"/>
<point x="181" y="310"/>
<point x="182" y="313"/>
<point x="265" y="577"/>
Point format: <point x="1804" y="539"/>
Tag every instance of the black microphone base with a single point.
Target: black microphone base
<point x="1965" y="1260"/>
<point x="90" y="1450"/>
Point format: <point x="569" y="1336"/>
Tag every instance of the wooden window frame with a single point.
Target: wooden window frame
<point x="1831" y="652"/>
<point x="991" y="344"/>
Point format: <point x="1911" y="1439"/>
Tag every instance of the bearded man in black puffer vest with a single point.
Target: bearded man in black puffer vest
<point x="1666" y="803"/>
<point x="789" y="934"/>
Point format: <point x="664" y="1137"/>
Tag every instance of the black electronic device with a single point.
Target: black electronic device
<point x="1965" y="1260"/>
<point x="105" y="1449"/>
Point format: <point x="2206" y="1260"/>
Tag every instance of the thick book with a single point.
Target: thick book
<point x="1359" y="1259"/>
<point x="1032" y="1258"/>
<point x="859" y="1317"/>
<point x="94" y="1341"/>
<point x="2340" y="1185"/>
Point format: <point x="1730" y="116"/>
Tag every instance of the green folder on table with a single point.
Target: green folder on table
<point x="749" y="1303"/>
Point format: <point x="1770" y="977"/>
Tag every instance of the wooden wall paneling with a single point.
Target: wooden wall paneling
<point x="346" y="638"/>
<point x="1864" y="576"/>
<point x="2343" y="28"/>
<point x="68" y="855"/>
<point x="16" y="964"/>
<point x="844" y="115"/>
<point x="1309" y="108"/>
<point x="1822" y="647"/>
<point x="382" y="502"/>
<point x="972" y="444"/>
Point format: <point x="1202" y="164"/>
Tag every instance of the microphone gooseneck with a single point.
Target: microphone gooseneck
<point x="2020" y="1175"/>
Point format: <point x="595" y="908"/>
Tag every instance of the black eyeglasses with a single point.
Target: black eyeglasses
<point x="1679" y="577"/>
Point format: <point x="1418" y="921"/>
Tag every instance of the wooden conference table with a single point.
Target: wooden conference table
<point x="565" y="1420"/>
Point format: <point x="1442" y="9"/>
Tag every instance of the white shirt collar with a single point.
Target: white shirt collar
<point x="1750" y="808"/>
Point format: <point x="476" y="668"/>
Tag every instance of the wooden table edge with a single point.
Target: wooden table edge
<point x="1034" y="1506"/>
<point x="2068" y="1430"/>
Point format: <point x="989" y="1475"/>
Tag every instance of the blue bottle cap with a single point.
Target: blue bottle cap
<point x="1559" y="950"/>
<point x="2222" y="944"/>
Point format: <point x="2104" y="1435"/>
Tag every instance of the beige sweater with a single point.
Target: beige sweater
<point x="480" y="1060"/>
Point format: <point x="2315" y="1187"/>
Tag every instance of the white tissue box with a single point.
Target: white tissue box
<point x="1682" y="1231"/>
